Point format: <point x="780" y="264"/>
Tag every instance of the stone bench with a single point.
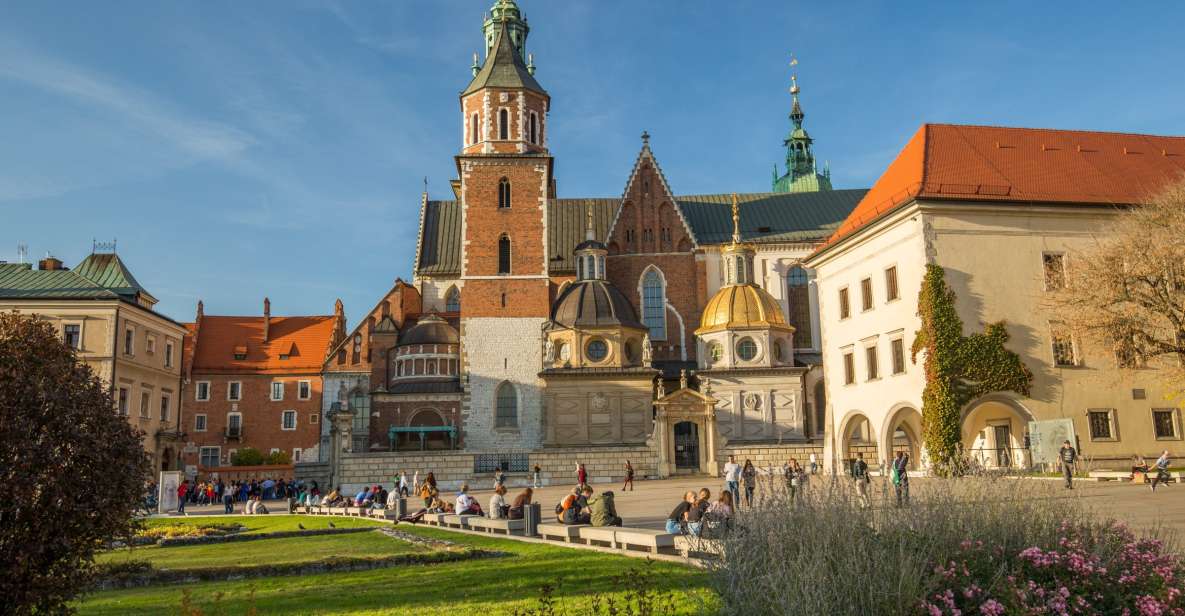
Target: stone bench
<point x="690" y="545"/>
<point x="433" y="519"/>
<point x="650" y="539"/>
<point x="504" y="526"/>
<point x="594" y="535"/>
<point x="453" y="520"/>
<point x="562" y="532"/>
<point x="1110" y="475"/>
<point x="336" y="510"/>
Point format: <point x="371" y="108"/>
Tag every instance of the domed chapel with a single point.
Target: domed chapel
<point x="536" y="324"/>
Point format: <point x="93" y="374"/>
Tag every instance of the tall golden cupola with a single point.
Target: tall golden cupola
<point x="742" y="325"/>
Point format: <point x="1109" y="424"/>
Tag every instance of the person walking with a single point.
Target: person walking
<point x="228" y="502"/>
<point x="1068" y="456"/>
<point x="535" y="477"/>
<point x="629" y="477"/>
<point x="1162" y="470"/>
<point x="749" y="475"/>
<point x="901" y="477"/>
<point x="499" y="477"/>
<point x="581" y="475"/>
<point x="860" y="475"/>
<point x="732" y="478"/>
<point x="182" y="493"/>
<point x="814" y="464"/>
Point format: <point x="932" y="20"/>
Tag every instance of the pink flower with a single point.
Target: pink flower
<point x="991" y="607"/>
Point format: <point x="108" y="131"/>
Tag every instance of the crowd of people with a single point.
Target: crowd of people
<point x="213" y="491"/>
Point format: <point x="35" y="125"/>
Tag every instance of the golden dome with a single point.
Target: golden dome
<point x="742" y="306"/>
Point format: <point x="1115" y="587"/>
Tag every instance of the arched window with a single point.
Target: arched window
<point x="534" y="127"/>
<point x="507" y="410"/>
<point x="504" y="254"/>
<point x="820" y="407"/>
<point x="799" y="306"/>
<point x="474" y="130"/>
<point x="503" y="193"/>
<point x="452" y="300"/>
<point x="503" y="124"/>
<point x="654" y="312"/>
<point x="360" y="406"/>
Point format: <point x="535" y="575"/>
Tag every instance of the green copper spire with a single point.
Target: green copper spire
<point x="801" y="172"/>
<point x="516" y="26"/>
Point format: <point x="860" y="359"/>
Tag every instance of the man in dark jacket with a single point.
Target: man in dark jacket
<point x="602" y="511"/>
<point x="860" y="474"/>
<point x="1068" y="456"/>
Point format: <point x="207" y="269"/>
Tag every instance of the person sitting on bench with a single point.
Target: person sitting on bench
<point x="677" y="521"/>
<point x="602" y="511"/>
<point x="518" y="510"/>
<point x="572" y="508"/>
<point x="467" y="505"/>
<point x="498" y="507"/>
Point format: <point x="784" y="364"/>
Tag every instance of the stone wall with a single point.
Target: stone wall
<point x="773" y="455"/>
<point x="502" y="351"/>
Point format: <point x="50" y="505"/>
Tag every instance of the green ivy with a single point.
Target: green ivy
<point x="959" y="368"/>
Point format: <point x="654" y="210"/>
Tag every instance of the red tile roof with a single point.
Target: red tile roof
<point x="1026" y="165"/>
<point x="304" y="339"/>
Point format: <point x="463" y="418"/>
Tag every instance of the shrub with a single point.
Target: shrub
<point x="826" y="553"/>
<point x="247" y="456"/>
<point x="74" y="468"/>
<point x="204" y="529"/>
<point x="278" y="457"/>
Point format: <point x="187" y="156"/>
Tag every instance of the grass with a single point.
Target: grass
<point x="480" y="586"/>
<point x="263" y="551"/>
<point x="256" y="524"/>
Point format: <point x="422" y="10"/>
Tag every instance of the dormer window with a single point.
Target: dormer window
<point x="240" y="353"/>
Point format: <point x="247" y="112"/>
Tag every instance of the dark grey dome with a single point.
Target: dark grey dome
<point x="594" y="303"/>
<point x="587" y="244"/>
<point x="430" y="330"/>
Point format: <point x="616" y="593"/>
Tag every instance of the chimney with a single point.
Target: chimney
<point x="50" y="263"/>
<point x="267" y="317"/>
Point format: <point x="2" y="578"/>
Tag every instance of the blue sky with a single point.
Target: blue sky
<point x="244" y="149"/>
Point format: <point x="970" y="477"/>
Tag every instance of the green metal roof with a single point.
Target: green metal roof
<point x="98" y="276"/>
<point x="504" y="68"/>
<point x="765" y="218"/>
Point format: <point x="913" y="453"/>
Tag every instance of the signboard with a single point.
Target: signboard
<point x="166" y="498"/>
<point x="191" y="471"/>
<point x="1046" y="438"/>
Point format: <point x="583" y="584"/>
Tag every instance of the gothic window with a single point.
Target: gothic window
<point x="503" y="124"/>
<point x="504" y="193"/>
<point x="504" y="255"/>
<point x="820" y="407"/>
<point x="452" y="300"/>
<point x="654" y="304"/>
<point x="798" y="296"/>
<point x="534" y="128"/>
<point x="474" y="130"/>
<point x="360" y="407"/>
<point x="507" y="406"/>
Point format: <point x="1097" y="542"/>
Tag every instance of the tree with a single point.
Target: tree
<point x="247" y="456"/>
<point x="958" y="368"/>
<point x="278" y="457"/>
<point x="1125" y="293"/>
<point x="72" y="468"/>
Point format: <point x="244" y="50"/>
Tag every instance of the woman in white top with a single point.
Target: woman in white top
<point x="498" y="503"/>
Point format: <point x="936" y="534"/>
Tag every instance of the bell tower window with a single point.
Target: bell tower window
<point x="504" y="255"/>
<point x="474" y="130"/>
<point x="503" y="124"/>
<point x="504" y="193"/>
<point x="534" y="128"/>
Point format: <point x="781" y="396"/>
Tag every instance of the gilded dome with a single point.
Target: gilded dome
<point x="742" y="306"/>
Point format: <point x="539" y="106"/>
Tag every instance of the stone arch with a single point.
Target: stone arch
<point x="994" y="431"/>
<point x="857" y="424"/>
<point x="906" y="418"/>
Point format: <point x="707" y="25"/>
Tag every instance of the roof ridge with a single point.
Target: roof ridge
<point x="1051" y="130"/>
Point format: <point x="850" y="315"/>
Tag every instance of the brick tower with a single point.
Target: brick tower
<point x="505" y="183"/>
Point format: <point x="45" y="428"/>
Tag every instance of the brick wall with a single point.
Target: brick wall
<point x="771" y="455"/>
<point x="261" y="416"/>
<point x="519" y="105"/>
<point x="401" y="412"/>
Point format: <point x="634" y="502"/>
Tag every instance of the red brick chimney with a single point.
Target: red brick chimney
<point x="267" y="317"/>
<point x="50" y="263"/>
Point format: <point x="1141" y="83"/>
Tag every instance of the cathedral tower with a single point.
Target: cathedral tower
<point x="504" y="186"/>
<point x="802" y="175"/>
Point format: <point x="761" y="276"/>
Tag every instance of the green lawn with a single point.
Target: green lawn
<point x="482" y="586"/>
<point x="264" y="523"/>
<point x="264" y="551"/>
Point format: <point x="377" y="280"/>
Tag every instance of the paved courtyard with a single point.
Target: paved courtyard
<point x="648" y="505"/>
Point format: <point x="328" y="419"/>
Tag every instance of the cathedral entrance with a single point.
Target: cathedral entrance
<point x="686" y="447"/>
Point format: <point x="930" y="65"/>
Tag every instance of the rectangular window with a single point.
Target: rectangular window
<point x="849" y="368"/>
<point x="1054" y="266"/>
<point x="234" y="424"/>
<point x="277" y="391"/>
<point x="1165" y="422"/>
<point x="211" y="457"/>
<point x="1100" y="424"/>
<point x="164" y="407"/>
<point x="304" y="390"/>
<point x="871" y="360"/>
<point x="129" y="342"/>
<point x="202" y="392"/>
<point x="150" y="344"/>
<point x="845" y="306"/>
<point x="314" y="418"/>
<point x="295" y="454"/>
<point x="234" y="391"/>
<point x="199" y="423"/>
<point x="1064" y="353"/>
<point x="72" y="334"/>
<point x="168" y="354"/>
<point x="891" y="291"/>
<point x="897" y="345"/>
<point x="123" y="401"/>
<point x="866" y="294"/>
<point x="288" y="420"/>
<point x="145" y="399"/>
<point x="798" y="300"/>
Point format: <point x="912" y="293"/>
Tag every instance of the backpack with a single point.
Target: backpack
<point x="559" y="508"/>
<point x="894" y="476"/>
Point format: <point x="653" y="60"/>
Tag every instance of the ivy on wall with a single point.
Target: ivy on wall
<point x="958" y="368"/>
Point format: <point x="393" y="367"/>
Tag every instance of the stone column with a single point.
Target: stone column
<point x="710" y="433"/>
<point x="340" y="440"/>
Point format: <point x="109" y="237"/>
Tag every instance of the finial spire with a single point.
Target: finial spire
<point x="645" y="138"/>
<point x="589" y="232"/>
<point x="736" y="220"/>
